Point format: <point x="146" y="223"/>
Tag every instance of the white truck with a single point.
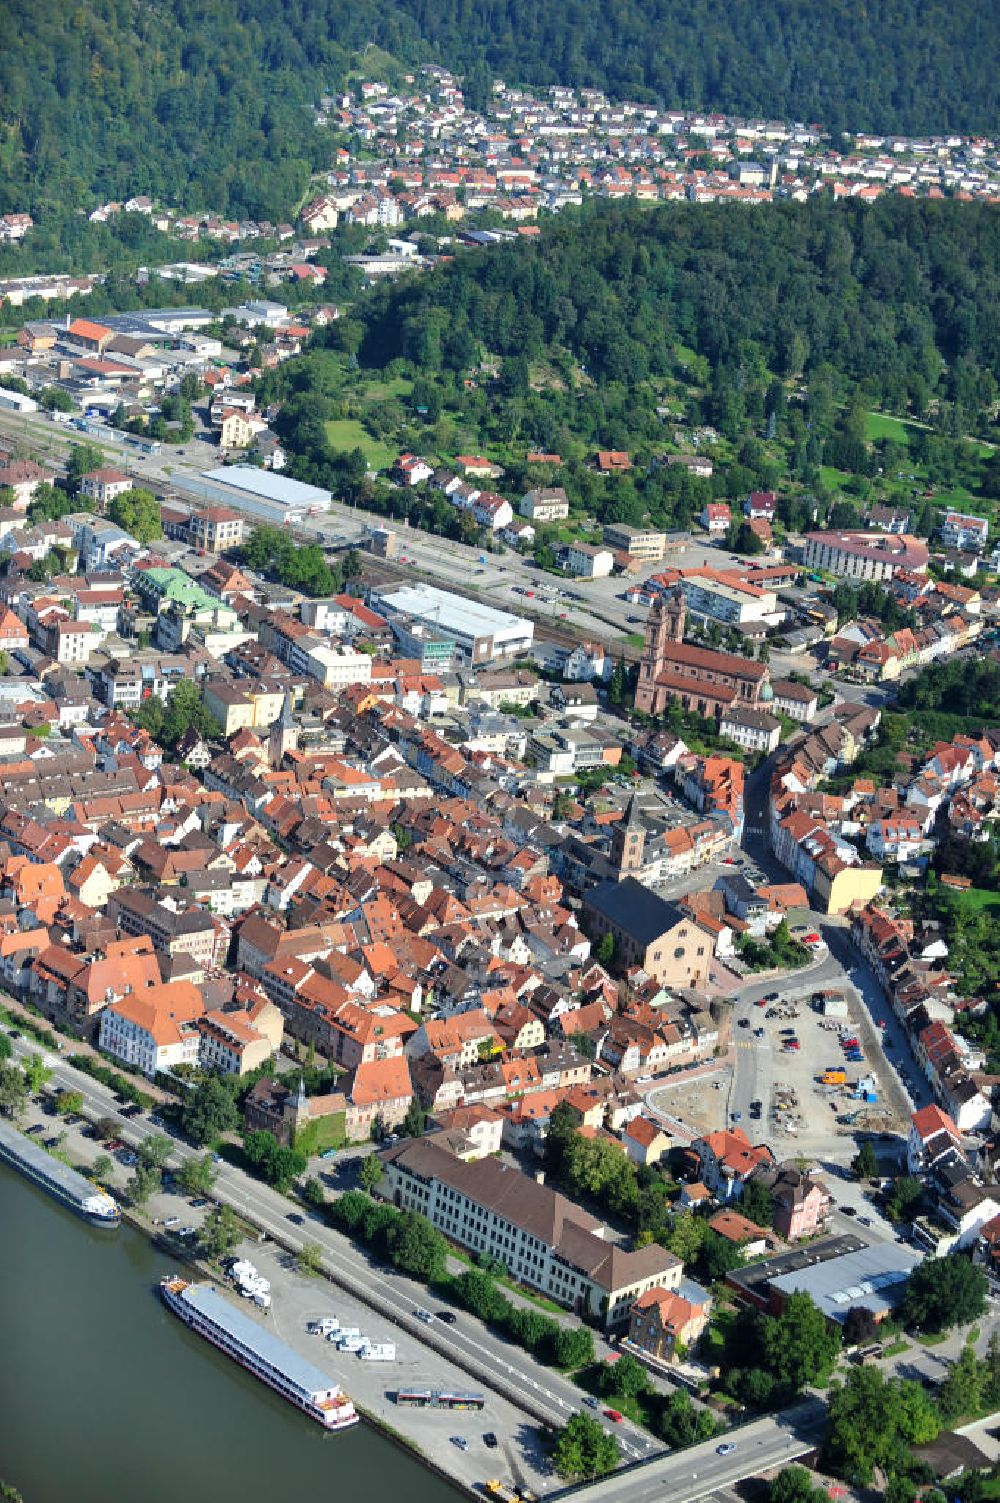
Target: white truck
<point x="351" y="1343"/>
<point x="378" y="1351"/>
<point x="325" y="1326"/>
<point x="342" y="1333"/>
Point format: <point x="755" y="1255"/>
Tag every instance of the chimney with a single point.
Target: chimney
<point x="539" y="1176"/>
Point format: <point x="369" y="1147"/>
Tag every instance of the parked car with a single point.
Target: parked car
<point x="460" y="1441"/>
<point x="490" y="1441"/>
<point x="613" y="1415"/>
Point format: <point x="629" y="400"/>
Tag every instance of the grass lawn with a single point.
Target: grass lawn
<point x="635" y="639"/>
<point x="976" y="899"/>
<point x="831" y="478"/>
<point x="882" y="425"/>
<point x="934" y="1340"/>
<point x="894" y="1348"/>
<point x="325" y="1132"/>
<point x="508" y="1283"/>
<point x="380" y="391"/>
<point x="347" y="433"/>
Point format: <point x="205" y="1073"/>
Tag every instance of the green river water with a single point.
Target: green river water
<point x="106" y="1398"/>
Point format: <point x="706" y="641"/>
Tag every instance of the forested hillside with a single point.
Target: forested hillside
<point x="893" y="65"/>
<point x="903" y="296"/>
<point x="203" y="103"/>
<point x="206" y="103"/>
<point x="843" y="355"/>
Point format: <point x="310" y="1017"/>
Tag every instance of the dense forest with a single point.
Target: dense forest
<point x="783" y="329"/>
<point x="901" y="296"/>
<point x="206" y="103"/>
<point x="905" y="66"/>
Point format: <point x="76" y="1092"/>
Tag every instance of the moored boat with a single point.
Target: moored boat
<point x="206" y="1310"/>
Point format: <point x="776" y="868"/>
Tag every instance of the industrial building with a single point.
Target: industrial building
<point x="263" y="494"/>
<point x="838" y="1273"/>
<point x="481" y="633"/>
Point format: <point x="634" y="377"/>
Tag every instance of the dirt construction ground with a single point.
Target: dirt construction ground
<point x="773" y="1090"/>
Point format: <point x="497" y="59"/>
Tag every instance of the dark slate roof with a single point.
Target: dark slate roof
<point x="635" y="909"/>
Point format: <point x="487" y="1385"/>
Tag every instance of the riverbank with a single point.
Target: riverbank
<point x="107" y="1398"/>
<point x="299" y="1297"/>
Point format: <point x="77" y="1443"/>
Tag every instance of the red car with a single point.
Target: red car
<point x="851" y="1043"/>
<point x="612" y="1414"/>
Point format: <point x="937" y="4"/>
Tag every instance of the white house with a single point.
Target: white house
<point x="155" y="1029"/>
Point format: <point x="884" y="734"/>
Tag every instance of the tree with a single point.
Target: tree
<point x="964" y="1387"/>
<point x="865" y="1162"/>
<point x="584" y="1449"/>
<point x="415" y="1120"/>
<point x="146" y="1181"/>
<point x="154" y="1150"/>
<point x="681" y="1423"/>
<point x="220" y="1232"/>
<point x="310" y="1257"/>
<point x="313" y="1193"/>
<point x="859" y="1326"/>
<point x="370" y="1172"/>
<point x="105" y="1128"/>
<point x="574" y="1347"/>
<point x="68" y="1103"/>
<point x="416" y="1247"/>
<point x="757" y="1203"/>
<point x="904" y="1197"/>
<point x="209" y="1111"/>
<point x="626" y="1377"/>
<point x="82" y="459"/>
<point x="13" y="1091"/>
<point x="799" y="1346"/>
<point x="276" y="1164"/>
<point x="604" y="950"/>
<point x="794" y="1484"/>
<point x="197" y="1176"/>
<point x="36" y="1073"/>
<point x="872" y="1421"/>
<point x="137" y="512"/>
<point x="944" y="1292"/>
<point x="6" y="1047"/>
<point x="103" y="1165"/>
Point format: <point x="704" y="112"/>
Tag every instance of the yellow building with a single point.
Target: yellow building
<point x="839" y="888"/>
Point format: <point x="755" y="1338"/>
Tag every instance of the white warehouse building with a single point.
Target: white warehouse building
<point x="481" y="633"/>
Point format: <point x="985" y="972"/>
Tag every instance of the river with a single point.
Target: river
<point x="106" y="1398"/>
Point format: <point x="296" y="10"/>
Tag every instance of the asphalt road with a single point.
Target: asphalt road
<point x="700" y="1470"/>
<point x="542" y="1393"/>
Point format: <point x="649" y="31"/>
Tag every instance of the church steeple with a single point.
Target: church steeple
<point x="283" y="735"/>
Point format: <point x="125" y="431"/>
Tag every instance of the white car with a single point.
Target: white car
<point x="726" y="1449"/>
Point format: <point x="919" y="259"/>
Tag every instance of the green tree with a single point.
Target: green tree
<point x="106" y="1128"/>
<point x="871" y="1423"/>
<point x="799" y="1346"/>
<point x="574" y="1347"/>
<point x="370" y="1172"/>
<point x="905" y="1196"/>
<point x="418" y="1248"/>
<point x="681" y="1423"/>
<point x="794" y="1484"/>
<point x="154" y="1150"/>
<point x="209" y="1111"/>
<point x="757" y="1203"/>
<point x="68" y="1103"/>
<point x="415" y="1120"/>
<point x="964" y="1387"/>
<point x="146" y="1181"/>
<point x="102" y="1167"/>
<point x="313" y="1193"/>
<point x="220" y="1232"/>
<point x="864" y="1162"/>
<point x="310" y="1257"/>
<point x="197" y="1176"/>
<point x="13" y="1091"/>
<point x="626" y="1377"/>
<point x="36" y="1073"/>
<point x="944" y="1292"/>
<point x="6" y="1047"/>
<point x="137" y="512"/>
<point x="584" y="1449"/>
<point x="604" y="950"/>
<point x="82" y="459"/>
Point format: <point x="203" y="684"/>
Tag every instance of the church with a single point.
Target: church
<point x="698" y="678"/>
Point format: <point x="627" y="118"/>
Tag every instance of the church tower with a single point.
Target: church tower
<point x="628" y="842"/>
<point x="283" y="735"/>
<point x="665" y="625"/>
